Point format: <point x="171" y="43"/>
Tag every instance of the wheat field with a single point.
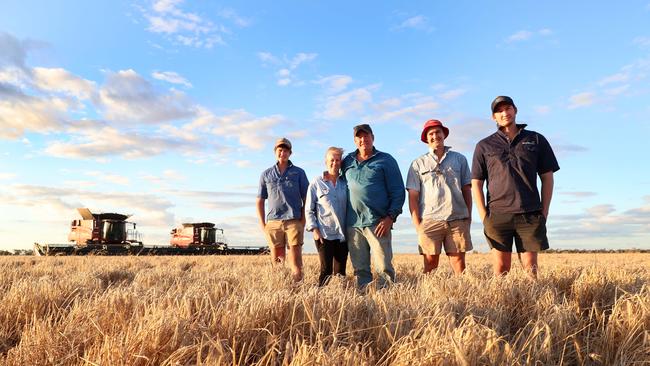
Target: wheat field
<point x="585" y="309"/>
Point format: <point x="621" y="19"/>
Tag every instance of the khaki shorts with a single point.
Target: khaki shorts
<point x="283" y="233"/>
<point x="454" y="235"/>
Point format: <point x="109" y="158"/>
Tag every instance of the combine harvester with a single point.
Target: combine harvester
<point x="111" y="234"/>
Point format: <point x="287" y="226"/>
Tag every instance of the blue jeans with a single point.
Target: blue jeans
<point x="363" y="245"/>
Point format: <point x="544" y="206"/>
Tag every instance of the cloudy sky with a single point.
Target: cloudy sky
<point x="167" y="110"/>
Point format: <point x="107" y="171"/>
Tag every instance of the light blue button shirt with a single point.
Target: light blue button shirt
<point x="440" y="185"/>
<point x="326" y="207"/>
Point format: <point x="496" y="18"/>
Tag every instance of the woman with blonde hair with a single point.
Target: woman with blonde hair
<point x="325" y="210"/>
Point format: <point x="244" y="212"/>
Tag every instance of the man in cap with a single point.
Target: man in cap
<point x="440" y="200"/>
<point x="375" y="200"/>
<point x="510" y="161"/>
<point x="285" y="187"/>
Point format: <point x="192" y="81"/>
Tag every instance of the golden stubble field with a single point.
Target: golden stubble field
<point x="591" y="309"/>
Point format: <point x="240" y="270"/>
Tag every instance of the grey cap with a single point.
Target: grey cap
<point x="283" y="141"/>
<point x="502" y="99"/>
<point x="363" y="127"/>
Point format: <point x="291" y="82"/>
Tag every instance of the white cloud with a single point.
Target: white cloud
<point x="128" y="97"/>
<point x="618" y="90"/>
<point x="581" y="100"/>
<point x="418" y="22"/>
<point x="350" y="103"/>
<point x="7" y="176"/>
<point x="452" y="94"/>
<point x="268" y="57"/>
<point x="60" y="80"/>
<point x="525" y="35"/>
<point x="522" y="35"/>
<point x="250" y="131"/>
<point x="14" y="51"/>
<point x="110" y="178"/>
<point x="235" y="18"/>
<point x="147" y="209"/>
<point x="285" y="74"/>
<point x="171" y="77"/>
<point x="620" y="77"/>
<point x="335" y="83"/>
<point x="21" y="113"/>
<point x="101" y="142"/>
<point x="415" y="112"/>
<point x="643" y="42"/>
<point x="542" y="109"/>
<point x="243" y="163"/>
<point x="186" y="28"/>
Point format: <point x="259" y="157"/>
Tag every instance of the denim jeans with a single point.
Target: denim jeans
<point x="363" y="245"/>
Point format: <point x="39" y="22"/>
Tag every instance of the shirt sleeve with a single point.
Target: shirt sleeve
<point x="311" y="207"/>
<point x="413" y="181"/>
<point x="395" y="187"/>
<point x="546" y="161"/>
<point x="262" y="192"/>
<point x="465" y="175"/>
<point x="479" y="170"/>
<point x="304" y="183"/>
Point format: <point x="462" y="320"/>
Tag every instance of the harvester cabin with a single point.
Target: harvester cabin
<point x="194" y="234"/>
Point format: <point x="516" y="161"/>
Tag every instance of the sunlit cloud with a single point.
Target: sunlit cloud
<point x="127" y="97"/>
<point x="581" y="100"/>
<point x="349" y="103"/>
<point x="171" y="77"/>
<point x="109" y="178"/>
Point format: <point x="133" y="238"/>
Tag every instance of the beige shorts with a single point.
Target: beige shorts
<point x="283" y="233"/>
<point x="454" y="235"/>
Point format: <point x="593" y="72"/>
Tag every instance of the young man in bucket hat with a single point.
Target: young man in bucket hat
<point x="440" y="200"/>
<point x="510" y="160"/>
<point x="285" y="187"/>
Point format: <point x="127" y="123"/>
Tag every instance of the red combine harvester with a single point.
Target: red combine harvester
<point x="111" y="234"/>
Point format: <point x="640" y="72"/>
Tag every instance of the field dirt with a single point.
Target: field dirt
<point x="584" y="309"/>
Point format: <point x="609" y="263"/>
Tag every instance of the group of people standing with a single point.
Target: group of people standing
<point x="351" y="207"/>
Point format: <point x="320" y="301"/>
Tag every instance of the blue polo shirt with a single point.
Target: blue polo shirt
<point x="510" y="169"/>
<point x="285" y="192"/>
<point x="376" y="188"/>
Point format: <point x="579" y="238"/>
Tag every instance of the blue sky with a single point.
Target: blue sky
<point x="168" y="110"/>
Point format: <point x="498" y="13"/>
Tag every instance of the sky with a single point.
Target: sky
<point x="168" y="110"/>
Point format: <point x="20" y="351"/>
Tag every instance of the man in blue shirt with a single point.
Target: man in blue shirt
<point x="375" y="200"/>
<point x="509" y="161"/>
<point x="285" y="187"/>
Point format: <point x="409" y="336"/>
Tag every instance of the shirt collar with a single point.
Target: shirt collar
<point x="432" y="151"/>
<point x="277" y="166"/>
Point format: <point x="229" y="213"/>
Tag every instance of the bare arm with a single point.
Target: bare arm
<point x="260" y="212"/>
<point x="547" y="191"/>
<point x="467" y="196"/>
<point x="479" y="198"/>
<point x="414" y="208"/>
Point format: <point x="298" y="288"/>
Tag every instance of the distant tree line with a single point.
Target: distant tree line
<point x="17" y="252"/>
<point x="632" y="250"/>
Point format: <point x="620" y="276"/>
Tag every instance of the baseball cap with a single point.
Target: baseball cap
<point x="363" y="127"/>
<point x="283" y="141"/>
<point x="502" y="99"/>
<point x="432" y="123"/>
